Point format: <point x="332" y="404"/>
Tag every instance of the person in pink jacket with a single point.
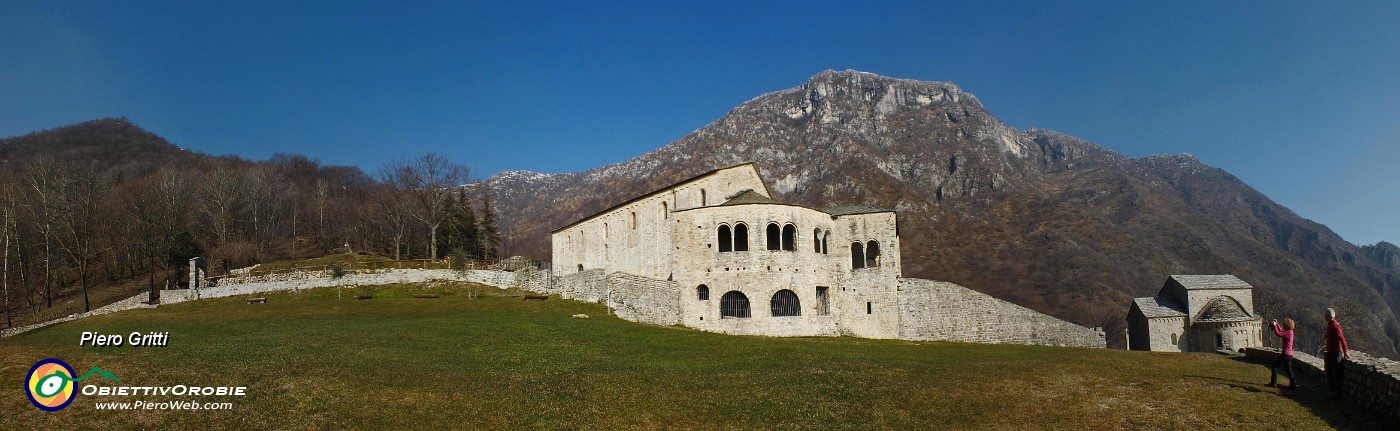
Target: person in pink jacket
<point x="1285" y="357"/>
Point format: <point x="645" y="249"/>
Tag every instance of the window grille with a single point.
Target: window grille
<point x="785" y="303"/>
<point x="734" y="304"/>
<point x="703" y="292"/>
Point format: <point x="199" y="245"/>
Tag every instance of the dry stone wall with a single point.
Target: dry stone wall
<point x="1371" y="382"/>
<point x="948" y="312"/>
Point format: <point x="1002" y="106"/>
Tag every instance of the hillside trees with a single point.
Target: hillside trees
<point x="426" y="181"/>
<point x="76" y="215"/>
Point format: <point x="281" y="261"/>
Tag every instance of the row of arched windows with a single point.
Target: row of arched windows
<point x="778" y="238"/>
<point x="735" y="304"/>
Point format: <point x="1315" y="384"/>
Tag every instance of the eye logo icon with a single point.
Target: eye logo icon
<point x="49" y="385"/>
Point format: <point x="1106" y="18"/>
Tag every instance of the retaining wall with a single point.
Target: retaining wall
<point x="942" y="311"/>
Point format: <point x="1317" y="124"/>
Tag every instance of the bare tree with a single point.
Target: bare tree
<point x="43" y="177"/>
<point x="391" y="218"/>
<point x="7" y="230"/>
<point x="427" y="181"/>
<point x="321" y="195"/>
<point x="81" y="206"/>
<point x="222" y="204"/>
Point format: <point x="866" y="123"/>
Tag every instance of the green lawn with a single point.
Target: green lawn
<point x="311" y="361"/>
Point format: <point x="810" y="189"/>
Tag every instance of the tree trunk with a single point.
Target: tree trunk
<point x="5" y="279"/>
<point x="48" y="273"/>
<point x="82" y="274"/>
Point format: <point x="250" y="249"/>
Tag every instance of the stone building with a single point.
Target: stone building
<point x="1196" y="313"/>
<point x="717" y="252"/>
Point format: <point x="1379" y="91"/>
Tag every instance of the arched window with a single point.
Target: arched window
<point x="789" y="237"/>
<point x="605" y="231"/>
<point x="785" y="303"/>
<point x="725" y="242"/>
<point x="665" y="213"/>
<point x="702" y="197"/>
<point x="580" y="267"/>
<point x="741" y="237"/>
<point x="825" y="236"/>
<point x="872" y="254"/>
<point x="1173" y="339"/>
<point x="773" y="236"/>
<point x="703" y="292"/>
<point x="734" y="304"/>
<point x="857" y="255"/>
<point x="817" y="241"/>
<point x="634" y="220"/>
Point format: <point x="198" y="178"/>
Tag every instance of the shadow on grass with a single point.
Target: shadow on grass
<point x="1311" y="394"/>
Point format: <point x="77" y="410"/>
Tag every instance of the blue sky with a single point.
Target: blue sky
<point x="1299" y="99"/>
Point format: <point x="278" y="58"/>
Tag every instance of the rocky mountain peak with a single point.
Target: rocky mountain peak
<point x="1038" y="217"/>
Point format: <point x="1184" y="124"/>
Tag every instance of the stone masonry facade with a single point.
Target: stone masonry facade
<point x="726" y="257"/>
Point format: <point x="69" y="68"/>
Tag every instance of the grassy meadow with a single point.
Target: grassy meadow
<point x="312" y="361"/>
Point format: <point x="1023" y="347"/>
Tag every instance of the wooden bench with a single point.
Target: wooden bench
<point x="536" y="297"/>
<point x="257" y="300"/>
<point x="424" y="296"/>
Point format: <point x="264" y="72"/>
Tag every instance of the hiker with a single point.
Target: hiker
<point x="1285" y="357"/>
<point x="1336" y="351"/>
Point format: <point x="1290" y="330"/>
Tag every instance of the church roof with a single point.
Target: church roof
<point x="842" y="210"/>
<point x="1223" y="309"/>
<point x="748" y="197"/>
<point x="1160" y="306"/>
<point x="1226" y="281"/>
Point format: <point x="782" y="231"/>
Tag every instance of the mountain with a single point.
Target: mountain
<point x="1036" y="217"/>
<point x="116" y="144"/>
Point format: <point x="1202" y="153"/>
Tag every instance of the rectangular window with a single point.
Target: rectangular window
<point x="868" y="308"/>
<point x="823" y="304"/>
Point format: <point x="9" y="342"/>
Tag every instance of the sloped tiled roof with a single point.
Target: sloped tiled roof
<point x="841" y="210"/>
<point x="1226" y="281"/>
<point x="748" y="197"/>
<point x="1160" y="306"/>
<point x="1223" y="309"/>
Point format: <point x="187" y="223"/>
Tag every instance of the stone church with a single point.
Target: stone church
<point x="716" y="252"/>
<point x="1196" y="313"/>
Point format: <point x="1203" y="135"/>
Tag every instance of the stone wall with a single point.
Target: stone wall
<point x="631" y="297"/>
<point x="932" y="310"/>
<point x="138" y="301"/>
<point x="1371" y="382"/>
<point x="500" y="279"/>
<point x="642" y="299"/>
